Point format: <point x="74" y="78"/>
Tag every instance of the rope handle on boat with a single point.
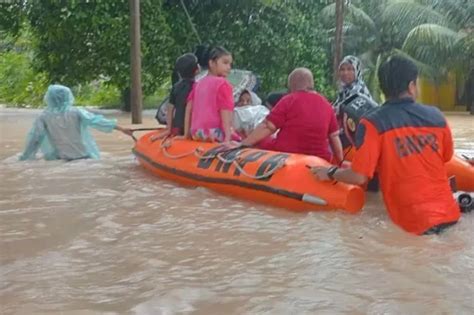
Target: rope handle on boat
<point x="166" y="143"/>
<point x="236" y="164"/>
<point x="143" y="129"/>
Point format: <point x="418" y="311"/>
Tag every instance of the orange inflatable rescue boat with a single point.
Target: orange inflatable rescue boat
<point x="275" y="178"/>
<point x="457" y="167"/>
<point x="463" y="172"/>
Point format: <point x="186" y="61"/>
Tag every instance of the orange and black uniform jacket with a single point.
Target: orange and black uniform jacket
<point x="408" y="144"/>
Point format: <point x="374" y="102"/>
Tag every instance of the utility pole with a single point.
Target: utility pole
<point x="135" y="62"/>
<point x="338" y="39"/>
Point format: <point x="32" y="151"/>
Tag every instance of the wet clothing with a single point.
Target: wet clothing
<point x="209" y="96"/>
<point x="305" y="120"/>
<point x="62" y="131"/>
<point x="438" y="229"/>
<point x="178" y="98"/>
<point x="408" y="144"/>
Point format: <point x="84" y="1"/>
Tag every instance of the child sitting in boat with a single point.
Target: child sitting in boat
<point x="61" y="131"/>
<point x="210" y="108"/>
<point x="187" y="67"/>
<point x="245" y="98"/>
<point x="248" y="113"/>
<point x="305" y="120"/>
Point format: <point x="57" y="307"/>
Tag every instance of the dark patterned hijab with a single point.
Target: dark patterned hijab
<point x="356" y="87"/>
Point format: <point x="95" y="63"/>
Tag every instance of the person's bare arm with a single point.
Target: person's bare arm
<point x="227" y="117"/>
<point x="169" y="124"/>
<point x="346" y="175"/>
<point x="169" y="117"/>
<point x="265" y="129"/>
<point x="336" y="147"/>
<point x="187" y="119"/>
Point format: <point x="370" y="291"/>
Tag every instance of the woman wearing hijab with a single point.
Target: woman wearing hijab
<point x="351" y="82"/>
<point x="61" y="131"/>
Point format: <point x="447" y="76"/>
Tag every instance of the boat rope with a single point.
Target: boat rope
<point x="198" y="152"/>
<point x="270" y="172"/>
<point x="166" y="143"/>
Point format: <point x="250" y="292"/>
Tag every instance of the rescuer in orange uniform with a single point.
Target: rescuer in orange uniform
<point x="408" y="144"/>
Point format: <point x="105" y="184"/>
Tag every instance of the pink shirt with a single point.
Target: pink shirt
<point x="209" y="96"/>
<point x="305" y="120"/>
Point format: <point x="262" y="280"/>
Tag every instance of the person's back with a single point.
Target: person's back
<point x="305" y="120"/>
<point x="408" y="144"/>
<point x="415" y="143"/>
<point x="178" y="99"/>
<point x="209" y="111"/>
<point x="61" y="131"/>
<point x="187" y="68"/>
<point x="207" y="103"/>
<point x="64" y="131"/>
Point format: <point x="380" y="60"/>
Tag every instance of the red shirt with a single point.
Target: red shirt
<point x="408" y="144"/>
<point x="305" y="120"/>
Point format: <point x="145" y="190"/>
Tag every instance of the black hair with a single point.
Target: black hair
<point x="273" y="98"/>
<point x="202" y="54"/>
<point x="186" y="65"/>
<point x="245" y="92"/>
<point x="395" y="75"/>
<point x="218" y="52"/>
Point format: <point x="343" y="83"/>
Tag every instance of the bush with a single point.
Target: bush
<point x="20" y="85"/>
<point x="97" y="93"/>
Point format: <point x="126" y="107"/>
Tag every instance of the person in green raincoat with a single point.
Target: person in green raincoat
<point x="62" y="130"/>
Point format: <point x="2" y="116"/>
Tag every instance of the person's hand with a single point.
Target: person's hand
<point x="127" y="131"/>
<point x="231" y="145"/>
<point x="181" y="137"/>
<point x="320" y="173"/>
<point x="161" y="135"/>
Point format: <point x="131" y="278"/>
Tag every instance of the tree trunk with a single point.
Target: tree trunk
<point x="126" y="104"/>
<point x="338" y="38"/>
<point x="135" y="62"/>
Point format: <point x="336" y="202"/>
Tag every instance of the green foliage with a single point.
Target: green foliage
<point x="97" y="93"/>
<point x="10" y="17"/>
<point x="270" y="38"/>
<point x="78" y="41"/>
<point x="20" y="84"/>
<point x="431" y="32"/>
<point x="75" y="42"/>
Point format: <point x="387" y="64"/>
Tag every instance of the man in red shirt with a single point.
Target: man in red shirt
<point x="305" y="120"/>
<point x="408" y="144"/>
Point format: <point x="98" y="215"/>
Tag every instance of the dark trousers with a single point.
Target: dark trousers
<point x="437" y="229"/>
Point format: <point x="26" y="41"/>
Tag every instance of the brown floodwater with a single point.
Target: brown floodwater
<point x="105" y="237"/>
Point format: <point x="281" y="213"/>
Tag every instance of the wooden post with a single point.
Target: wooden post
<point x="338" y="40"/>
<point x="135" y="62"/>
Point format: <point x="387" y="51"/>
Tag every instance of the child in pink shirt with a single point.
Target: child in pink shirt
<point x="209" y="113"/>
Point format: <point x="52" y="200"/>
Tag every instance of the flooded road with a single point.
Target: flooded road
<point x="105" y="237"/>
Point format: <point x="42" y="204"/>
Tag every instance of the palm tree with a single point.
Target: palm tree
<point x="338" y="37"/>
<point x="427" y="31"/>
<point x="449" y="47"/>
